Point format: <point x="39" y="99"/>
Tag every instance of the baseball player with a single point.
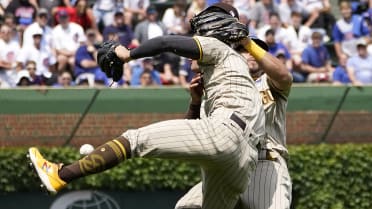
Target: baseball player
<point x="270" y="185"/>
<point x="223" y="143"/>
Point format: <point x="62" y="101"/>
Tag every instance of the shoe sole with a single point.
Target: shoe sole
<point x="42" y="176"/>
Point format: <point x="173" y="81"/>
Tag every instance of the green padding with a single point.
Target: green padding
<point x="29" y="101"/>
<point x="358" y="99"/>
<point x="164" y="100"/>
<point x="141" y="100"/>
<point x="325" y="98"/>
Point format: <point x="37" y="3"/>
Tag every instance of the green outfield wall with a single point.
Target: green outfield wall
<point x="74" y="116"/>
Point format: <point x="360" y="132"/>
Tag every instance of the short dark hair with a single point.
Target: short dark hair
<point x="270" y="32"/>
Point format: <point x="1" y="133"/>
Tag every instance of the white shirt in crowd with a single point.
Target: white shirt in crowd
<point x="170" y="20"/>
<point x="9" y="51"/>
<point x="136" y="4"/>
<point x="67" y="38"/>
<point x="30" y="30"/>
<point x="43" y="58"/>
<point x="154" y="30"/>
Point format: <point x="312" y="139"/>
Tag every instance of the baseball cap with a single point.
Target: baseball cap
<point x="63" y="14"/>
<point x="279" y="53"/>
<point x="361" y="42"/>
<point x="23" y="74"/>
<point x="37" y="31"/>
<point x="151" y="10"/>
<point x="227" y="8"/>
<point x="42" y="11"/>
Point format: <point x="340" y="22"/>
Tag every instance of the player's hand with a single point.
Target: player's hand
<point x="123" y="53"/>
<point x="196" y="89"/>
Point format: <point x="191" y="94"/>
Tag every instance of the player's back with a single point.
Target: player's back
<point x="228" y="84"/>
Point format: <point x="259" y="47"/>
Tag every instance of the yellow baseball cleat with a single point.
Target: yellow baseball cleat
<point x="47" y="171"/>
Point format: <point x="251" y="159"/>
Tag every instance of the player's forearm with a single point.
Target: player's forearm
<point x="271" y="65"/>
<point x="181" y="45"/>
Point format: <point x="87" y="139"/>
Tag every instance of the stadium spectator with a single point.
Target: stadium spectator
<point x="40" y="23"/>
<point x="9" y="21"/>
<point x="195" y="7"/>
<point x="276" y="25"/>
<point x="340" y="75"/>
<point x="66" y="40"/>
<point x="151" y="27"/>
<point x="86" y="63"/>
<point x="287" y="8"/>
<point x="50" y="5"/>
<point x="23" y="79"/>
<point x="146" y="79"/>
<point x="120" y="31"/>
<point x="23" y="11"/>
<point x="136" y="10"/>
<point x="147" y="66"/>
<point x="84" y="15"/>
<point x="65" y="8"/>
<point x="37" y="80"/>
<point x="276" y="48"/>
<point x="244" y="6"/>
<point x="166" y="63"/>
<point x="41" y="55"/>
<point x="348" y="30"/>
<point x="316" y="62"/>
<point x="64" y="80"/>
<point x="261" y="12"/>
<point x="9" y="50"/>
<point x="359" y="66"/>
<point x="299" y="37"/>
<point x="319" y="16"/>
<point x="186" y="73"/>
<point x="174" y="18"/>
<point x="104" y="11"/>
<point x="28" y="77"/>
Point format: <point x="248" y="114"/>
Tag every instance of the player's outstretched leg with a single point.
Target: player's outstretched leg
<point x="55" y="176"/>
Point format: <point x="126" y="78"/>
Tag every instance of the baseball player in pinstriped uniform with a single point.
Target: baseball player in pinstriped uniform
<point x="270" y="185"/>
<point x="223" y="144"/>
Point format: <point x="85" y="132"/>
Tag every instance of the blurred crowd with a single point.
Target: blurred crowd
<point x="54" y="42"/>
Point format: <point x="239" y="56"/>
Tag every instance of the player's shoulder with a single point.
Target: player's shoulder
<point x="204" y="40"/>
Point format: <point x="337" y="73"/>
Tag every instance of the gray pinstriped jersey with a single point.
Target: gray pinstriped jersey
<point x="228" y="84"/>
<point x="275" y="105"/>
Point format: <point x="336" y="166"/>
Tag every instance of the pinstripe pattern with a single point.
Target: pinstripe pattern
<point x="271" y="186"/>
<point x="226" y="153"/>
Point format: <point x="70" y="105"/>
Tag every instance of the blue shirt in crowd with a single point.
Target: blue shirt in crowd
<point x="279" y="47"/>
<point x="340" y="75"/>
<point x="316" y="57"/>
<point x="83" y="54"/>
<point x="124" y="33"/>
<point x="136" y="76"/>
<point x="356" y="28"/>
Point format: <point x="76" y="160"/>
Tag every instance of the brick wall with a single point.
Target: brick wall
<point x="55" y="129"/>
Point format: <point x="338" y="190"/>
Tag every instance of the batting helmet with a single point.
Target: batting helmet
<point x="220" y="21"/>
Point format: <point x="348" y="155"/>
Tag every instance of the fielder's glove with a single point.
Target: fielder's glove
<point x="109" y="61"/>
